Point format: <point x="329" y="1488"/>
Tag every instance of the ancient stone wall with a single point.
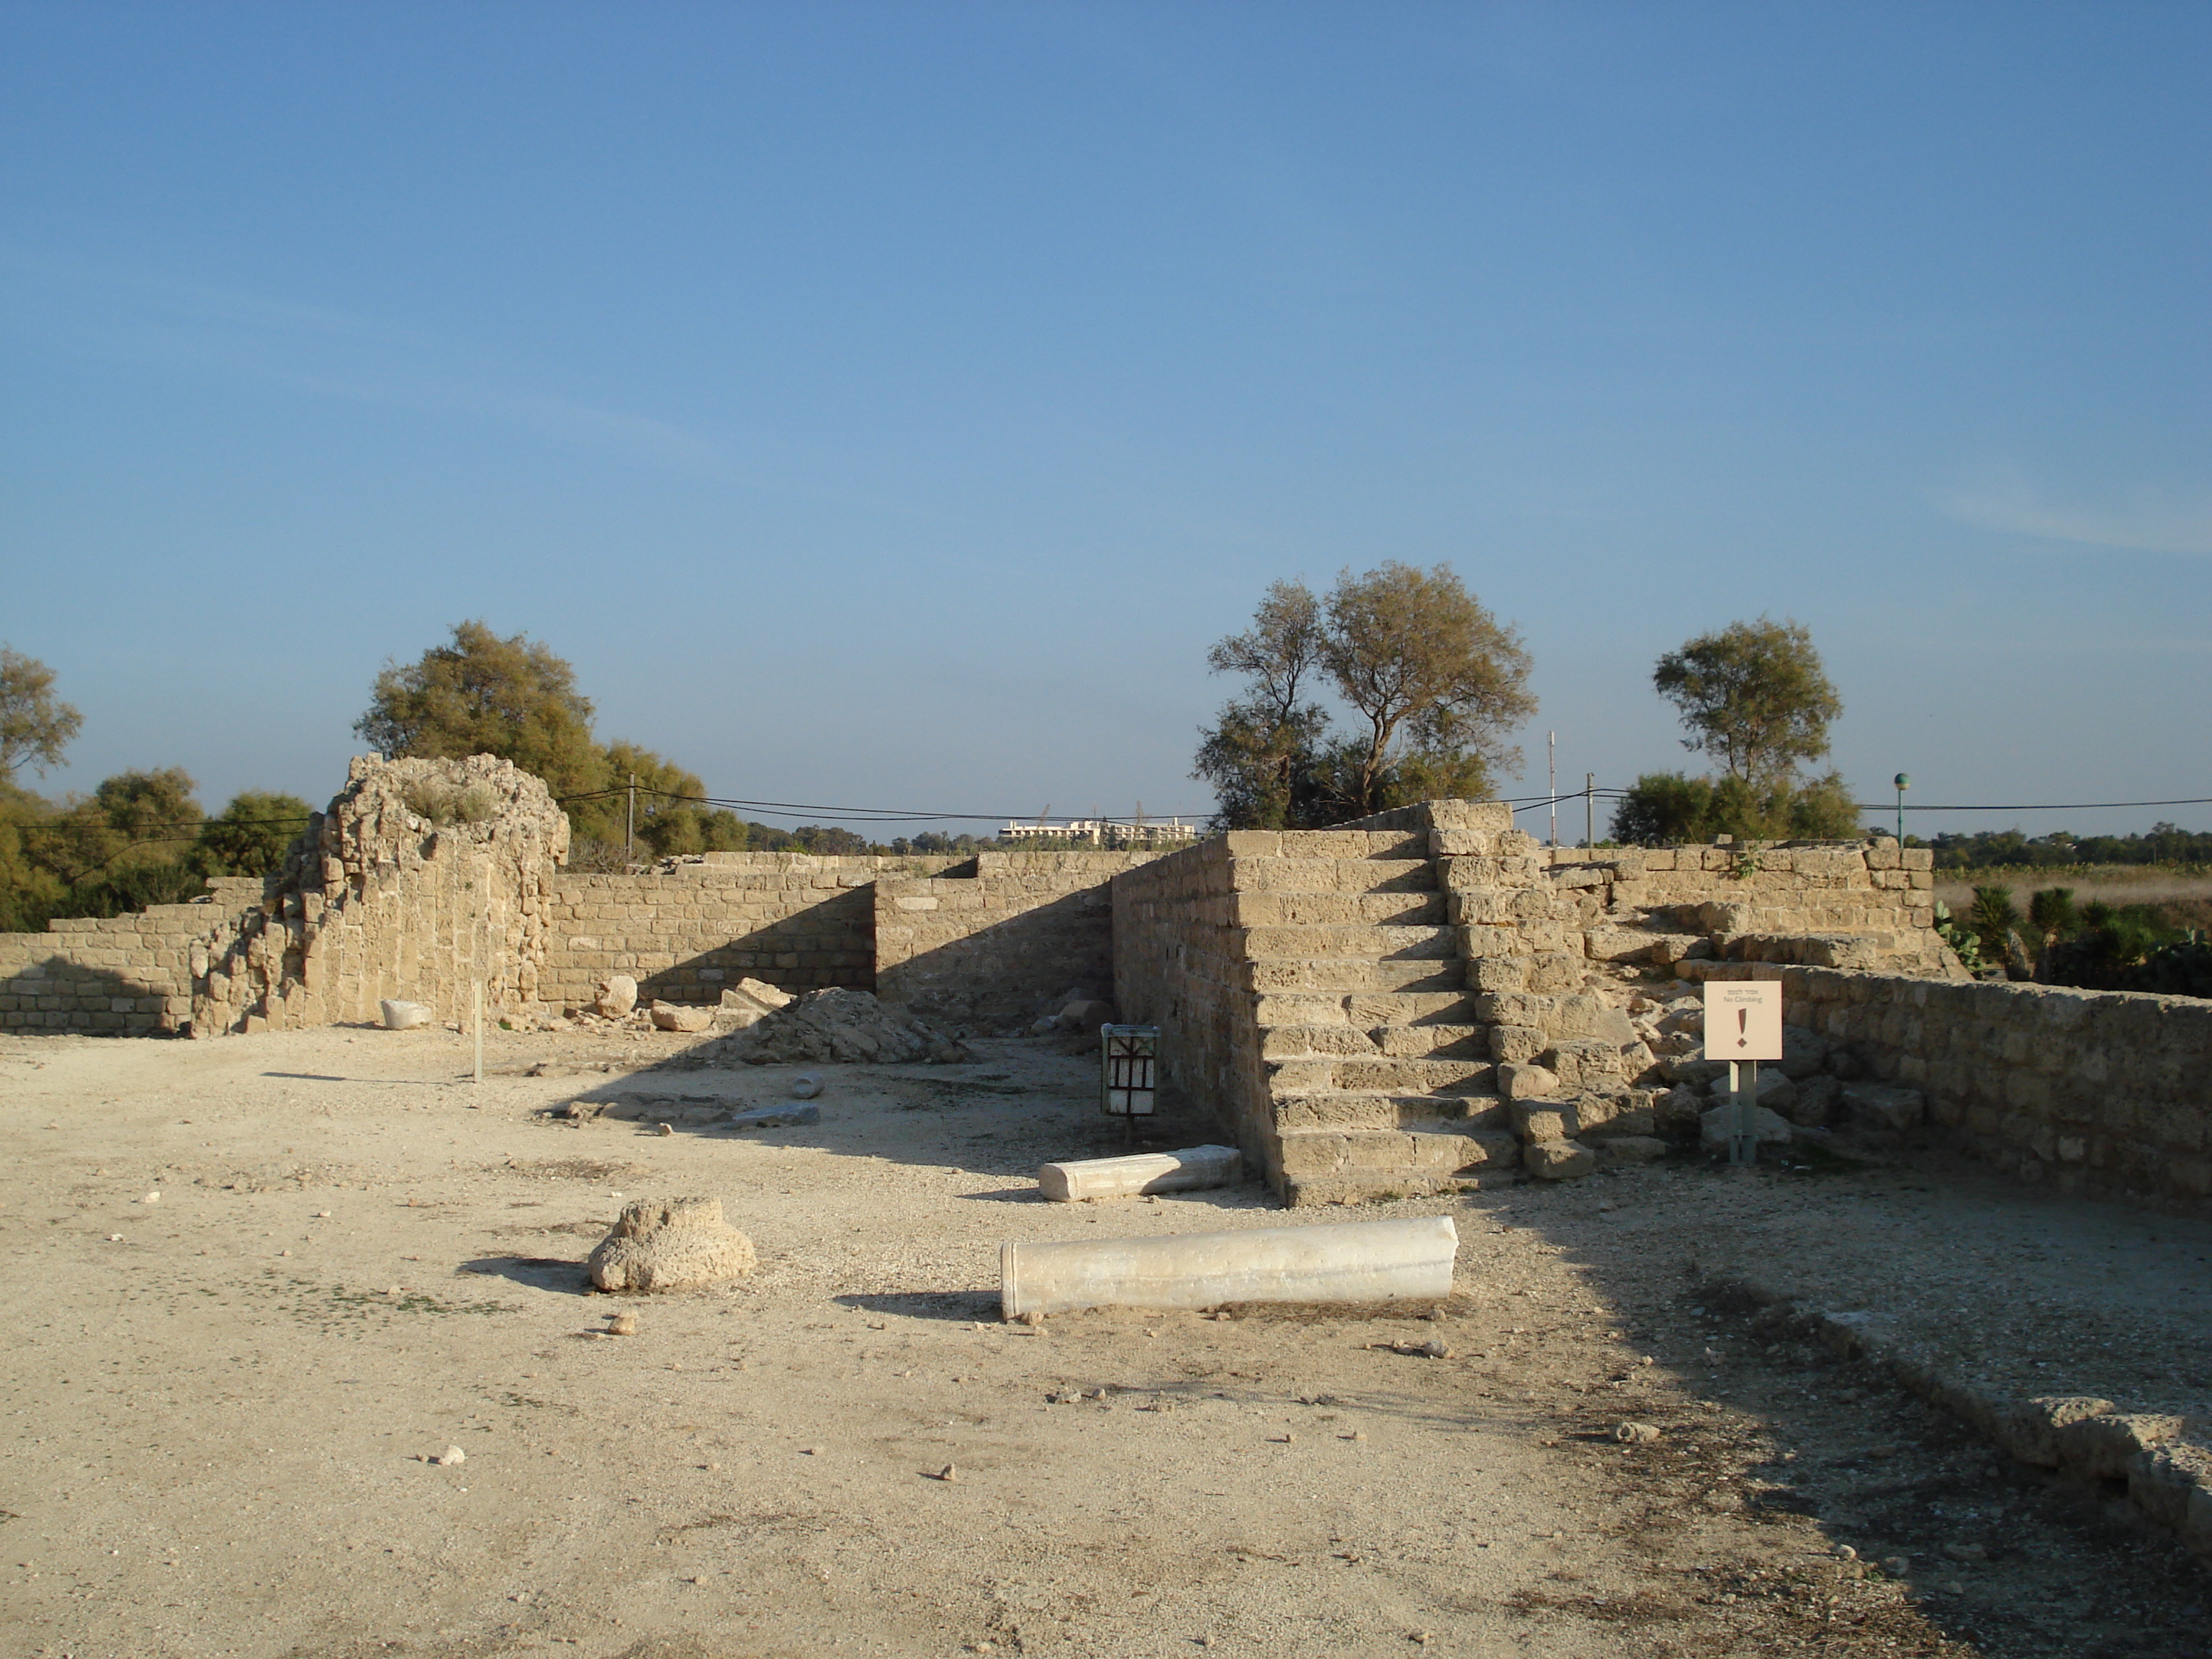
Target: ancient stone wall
<point x="422" y="879"/>
<point x="131" y="974"/>
<point x="981" y="946"/>
<point x="1182" y="962"/>
<point x="694" y="926"/>
<point x="2098" y="1092"/>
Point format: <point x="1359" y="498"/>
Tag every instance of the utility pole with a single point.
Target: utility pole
<point x="1903" y="784"/>
<point x="629" y="827"/>
<point x="1551" y="786"/>
<point x="1590" y="810"/>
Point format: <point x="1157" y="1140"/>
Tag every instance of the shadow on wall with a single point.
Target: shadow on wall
<point x="57" y="994"/>
<point x="804" y="951"/>
<point x="992" y="979"/>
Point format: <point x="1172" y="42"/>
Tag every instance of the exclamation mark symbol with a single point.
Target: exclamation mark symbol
<point x="1742" y="1025"/>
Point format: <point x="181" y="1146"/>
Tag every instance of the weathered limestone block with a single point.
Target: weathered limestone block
<point x="1582" y="1064"/>
<point x="1544" y="1120"/>
<point x="1558" y="1160"/>
<point x="616" y="996"/>
<point x="1815" y="1103"/>
<point x="681" y="1017"/>
<point x="1517" y="1045"/>
<point x="2031" y="1433"/>
<point x="1883" y="1107"/>
<point x="1588" y="1018"/>
<point x="677" y="1245"/>
<point x="1524" y="1082"/>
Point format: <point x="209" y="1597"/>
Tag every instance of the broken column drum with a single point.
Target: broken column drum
<point x="1193" y="1167"/>
<point x="1128" y="1070"/>
<point x="1353" y="1261"/>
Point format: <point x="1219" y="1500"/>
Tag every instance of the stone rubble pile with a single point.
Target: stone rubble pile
<point x="835" y="1027"/>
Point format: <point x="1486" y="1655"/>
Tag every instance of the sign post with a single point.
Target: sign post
<point x="1743" y="1026"/>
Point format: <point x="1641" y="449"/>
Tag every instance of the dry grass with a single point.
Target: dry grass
<point x="2182" y="888"/>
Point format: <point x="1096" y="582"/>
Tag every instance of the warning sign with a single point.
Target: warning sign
<point x="1743" y="1019"/>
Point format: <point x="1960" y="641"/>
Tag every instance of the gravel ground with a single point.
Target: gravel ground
<point x="220" y="1401"/>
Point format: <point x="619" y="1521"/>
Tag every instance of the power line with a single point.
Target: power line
<point x="2054" y="806"/>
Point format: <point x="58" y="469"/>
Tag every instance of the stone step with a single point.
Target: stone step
<point x="1324" y="1166"/>
<point x="1379" y="1108"/>
<point x="1279" y="875"/>
<point x="1335" y="844"/>
<point x="1356" y="976"/>
<point x="1437" y="1042"/>
<point x="1455" y="1114"/>
<point x="1367" y="1010"/>
<point x="1339" y="910"/>
<point x="1381" y="944"/>
<point x="1393" y="1042"/>
<point x="1334" y="1073"/>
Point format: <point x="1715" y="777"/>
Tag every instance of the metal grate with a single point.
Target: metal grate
<point x="1128" y="1071"/>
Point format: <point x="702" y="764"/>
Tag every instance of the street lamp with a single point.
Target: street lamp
<point x="1903" y="784"/>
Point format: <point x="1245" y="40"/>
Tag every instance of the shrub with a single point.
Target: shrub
<point x="444" y="801"/>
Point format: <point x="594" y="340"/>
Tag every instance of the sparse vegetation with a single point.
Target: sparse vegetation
<point x="444" y="801"/>
<point x="1430" y="681"/>
<point x="1754" y="695"/>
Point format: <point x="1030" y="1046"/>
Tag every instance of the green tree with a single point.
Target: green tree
<point x="2051" y="913"/>
<point x="1433" y="685"/>
<point x="1259" y="754"/>
<point x="1663" y="809"/>
<point x="1437" y="679"/>
<point x="123" y="848"/>
<point x="483" y="695"/>
<point x="1992" y="915"/>
<point x="1754" y="695"/>
<point x="252" y="835"/>
<point x="35" y="726"/>
<point x="672" y="818"/>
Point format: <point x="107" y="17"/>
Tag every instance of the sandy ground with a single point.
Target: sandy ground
<point x="218" y="1404"/>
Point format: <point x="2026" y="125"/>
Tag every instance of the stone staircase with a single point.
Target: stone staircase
<point x="1379" y="1071"/>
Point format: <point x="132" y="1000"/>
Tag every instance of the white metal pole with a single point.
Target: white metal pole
<point x="477" y="986"/>
<point x="1552" y="775"/>
<point x="1590" y="809"/>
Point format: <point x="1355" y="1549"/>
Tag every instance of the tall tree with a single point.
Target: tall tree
<point x="483" y="695"/>
<point x="1259" y="754"/>
<point x="1437" y="679"/>
<point x="254" y="833"/>
<point x="35" y="726"/>
<point x="671" y="816"/>
<point x="1434" y="681"/>
<point x="1754" y="697"/>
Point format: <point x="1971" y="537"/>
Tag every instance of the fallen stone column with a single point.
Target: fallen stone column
<point x="1192" y="1168"/>
<point x="1355" y="1262"/>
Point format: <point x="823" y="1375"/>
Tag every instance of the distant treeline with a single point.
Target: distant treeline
<point x="1985" y="849"/>
<point x="141" y="838"/>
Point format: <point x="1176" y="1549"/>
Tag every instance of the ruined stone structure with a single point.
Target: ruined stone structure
<point x="1422" y="999"/>
<point x="1363" y="1003"/>
<point x="2102" y="1093"/>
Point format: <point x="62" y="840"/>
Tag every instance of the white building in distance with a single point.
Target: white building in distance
<point x="1103" y="832"/>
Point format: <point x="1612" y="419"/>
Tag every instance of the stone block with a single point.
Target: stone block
<point x="1882" y="1107"/>
<point x="1526" y="1082"/>
<point x="1543" y="1120"/>
<point x="1558" y="1160"/>
<point x="1517" y="1044"/>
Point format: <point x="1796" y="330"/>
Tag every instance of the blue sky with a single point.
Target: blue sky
<point x="887" y="404"/>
